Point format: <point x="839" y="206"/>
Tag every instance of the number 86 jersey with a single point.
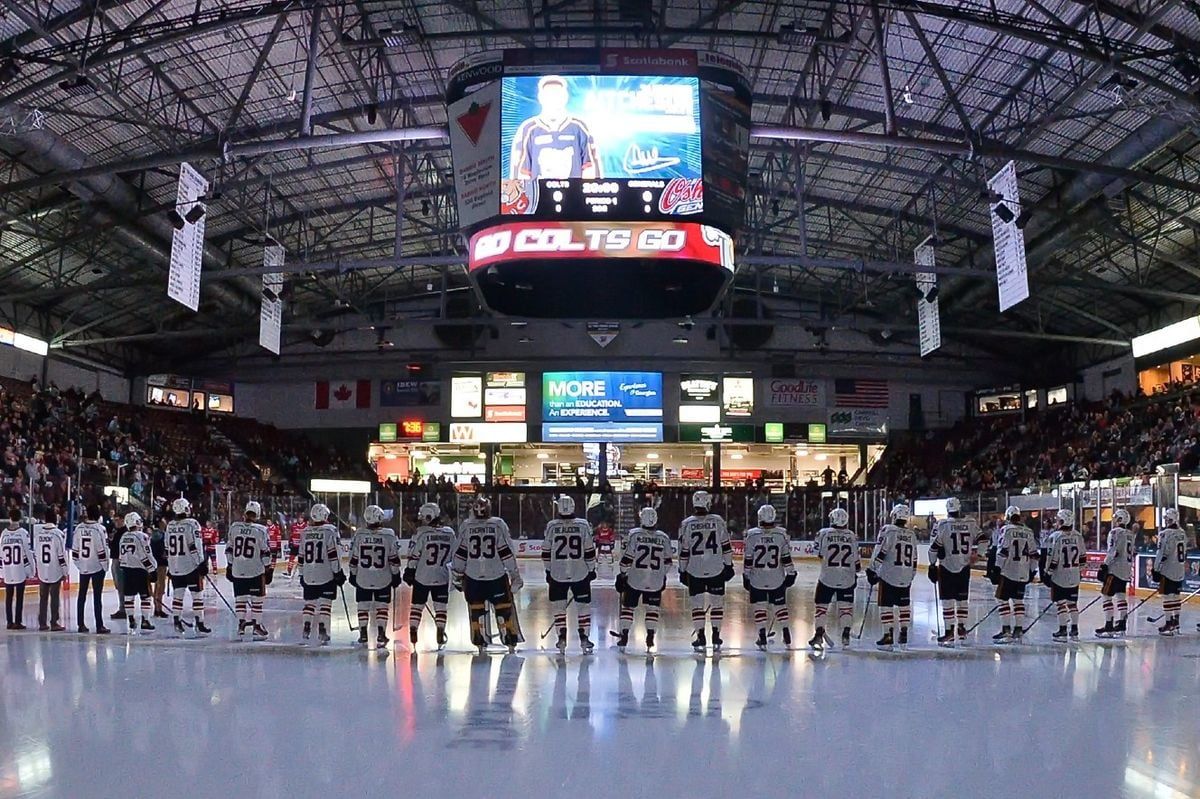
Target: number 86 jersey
<point x="838" y="551"/>
<point x="895" y="555"/>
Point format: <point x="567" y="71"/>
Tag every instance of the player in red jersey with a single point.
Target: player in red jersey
<point x="211" y="537"/>
<point x="296" y="534"/>
<point x="275" y="539"/>
<point x="605" y="539"/>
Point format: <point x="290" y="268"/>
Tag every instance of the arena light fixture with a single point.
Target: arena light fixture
<point x="30" y="344"/>
<point x="319" y="485"/>
<point x="1165" y="337"/>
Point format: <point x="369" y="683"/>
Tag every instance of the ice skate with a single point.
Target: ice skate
<point x="761" y="641"/>
<point x="441" y="637"/>
<point x="903" y="642"/>
<point x="787" y="637"/>
<point x="381" y="639"/>
<point x="586" y="644"/>
<point x="699" y="642"/>
<point x="885" y="642"/>
<point x="716" y="639"/>
<point x="1059" y="636"/>
<point x="1170" y="628"/>
<point x="817" y="642"/>
<point x="1074" y="632"/>
<point x="242" y="627"/>
<point x="946" y="640"/>
<point x="363" y="638"/>
<point x="622" y="641"/>
<point x="306" y="633"/>
<point x="561" y="643"/>
<point x="1107" y="630"/>
<point x="146" y="625"/>
<point x="201" y="627"/>
<point x="510" y="640"/>
<point x="260" y="632"/>
<point x="1018" y="634"/>
<point x="322" y="635"/>
<point x="412" y="635"/>
<point x="845" y="638"/>
<point x="1119" y="629"/>
<point x="1004" y="636"/>
<point x="178" y="625"/>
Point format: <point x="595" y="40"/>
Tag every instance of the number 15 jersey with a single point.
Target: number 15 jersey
<point x="953" y="542"/>
<point x="895" y="556"/>
<point x="838" y="551"/>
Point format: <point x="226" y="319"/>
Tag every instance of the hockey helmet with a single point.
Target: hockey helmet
<point x="648" y="517"/>
<point x="372" y="515"/>
<point x="1170" y="517"/>
<point x="838" y="517"/>
<point x="1012" y="512"/>
<point x="900" y="512"/>
<point x="1065" y="517"/>
<point x="953" y="505"/>
<point x="133" y="520"/>
<point x="181" y="507"/>
<point x="319" y="513"/>
<point x="702" y="500"/>
<point x="482" y="507"/>
<point x="766" y="514"/>
<point x="429" y="513"/>
<point x="253" y="507"/>
<point x="566" y="505"/>
<point x="1120" y="517"/>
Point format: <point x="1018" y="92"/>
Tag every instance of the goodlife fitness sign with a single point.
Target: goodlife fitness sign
<point x="551" y="240"/>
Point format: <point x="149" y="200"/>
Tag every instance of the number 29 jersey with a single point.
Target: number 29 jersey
<point x="768" y="558"/>
<point x="568" y="550"/>
<point x="645" y="558"/>
<point x="429" y="554"/>
<point x="838" y="551"/>
<point x="895" y="556"/>
<point x="704" y="547"/>
<point x="319" y="559"/>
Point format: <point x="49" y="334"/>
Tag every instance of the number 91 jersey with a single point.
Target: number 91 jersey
<point x="568" y="551"/>
<point x="895" y="556"/>
<point x="838" y="551"/>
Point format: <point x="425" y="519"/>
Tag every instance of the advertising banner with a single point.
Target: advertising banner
<point x="489" y="433"/>
<point x="466" y="397"/>
<point x="617" y="432"/>
<point x="713" y="433"/>
<point x="1191" y="572"/>
<point x="857" y="422"/>
<point x="602" y="396"/>
<point x="794" y="392"/>
<point x="409" y="393"/>
<point x="474" y="123"/>
<point x="737" y="397"/>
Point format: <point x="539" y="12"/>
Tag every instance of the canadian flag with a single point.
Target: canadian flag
<point x="342" y="395"/>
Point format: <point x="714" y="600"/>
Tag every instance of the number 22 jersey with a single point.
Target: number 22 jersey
<point x="838" y="551"/>
<point x="895" y="556"/>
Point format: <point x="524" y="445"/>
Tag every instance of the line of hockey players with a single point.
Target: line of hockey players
<point x="480" y="561"/>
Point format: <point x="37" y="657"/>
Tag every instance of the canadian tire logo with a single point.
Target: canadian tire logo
<point x="473" y="120"/>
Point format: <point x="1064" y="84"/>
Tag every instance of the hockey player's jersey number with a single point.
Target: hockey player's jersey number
<point x="648" y="558"/>
<point x="47" y="554"/>
<point x="701" y="543"/>
<point x="176" y="545"/>
<point x="839" y="556"/>
<point x="480" y="546"/>
<point x="960" y="543"/>
<point x="905" y="555"/>
<point x="12" y="555"/>
<point x="129" y="548"/>
<point x="437" y="554"/>
<point x="1180" y="552"/>
<point x="570" y="547"/>
<point x="373" y="557"/>
<point x="759" y="559"/>
<point x="85" y="548"/>
<point x="244" y="547"/>
<point x="314" y="552"/>
<point x="1071" y="557"/>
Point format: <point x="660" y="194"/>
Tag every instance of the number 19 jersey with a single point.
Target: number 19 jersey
<point x="704" y="547"/>
<point x="895" y="556"/>
<point x="430" y="553"/>
<point x="319" y="559"/>
<point x="838" y="551"/>
<point x="645" y="558"/>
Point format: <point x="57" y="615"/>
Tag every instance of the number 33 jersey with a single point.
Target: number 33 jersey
<point x="838" y="551"/>
<point x="767" y="559"/>
<point x="895" y="556"/>
<point x="704" y="548"/>
<point x="484" y="549"/>
<point x="568" y="551"/>
<point x="430" y="553"/>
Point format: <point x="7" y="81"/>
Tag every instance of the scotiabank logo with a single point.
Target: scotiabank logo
<point x="682" y="196"/>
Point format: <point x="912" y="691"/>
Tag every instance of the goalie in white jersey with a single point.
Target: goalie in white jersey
<point x="1015" y="564"/>
<point x="645" y="559"/>
<point x="485" y="567"/>
<point x="89" y="549"/>
<point x="375" y="568"/>
<point x="1066" y="551"/>
<point x="837" y="547"/>
<point x="321" y="572"/>
<point x="1169" y="569"/>
<point x="767" y="574"/>
<point x="50" y="551"/>
<point x="569" y="557"/>
<point x="428" y="571"/>
<point x="137" y="564"/>
<point x="951" y="554"/>
<point x="705" y="565"/>
<point x="16" y="567"/>
<point x="1114" y="575"/>
<point x="893" y="564"/>
<point x="186" y="565"/>
<point x="248" y="552"/>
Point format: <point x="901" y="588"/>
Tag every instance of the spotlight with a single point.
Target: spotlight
<point x="826" y="110"/>
<point x="680" y="339"/>
<point x="372" y="113"/>
<point x="195" y="214"/>
<point x="1023" y="219"/>
<point x="687" y="323"/>
<point x="907" y="96"/>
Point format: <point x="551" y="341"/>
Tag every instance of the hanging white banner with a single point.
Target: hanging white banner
<point x="929" y="319"/>
<point x="187" y="245"/>
<point x="1012" y="277"/>
<point x="270" y="314"/>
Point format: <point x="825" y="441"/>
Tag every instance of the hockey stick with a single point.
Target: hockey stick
<point x="213" y="583"/>
<point x="1088" y="605"/>
<point x="866" y="612"/>
<point x="1144" y="601"/>
<point x="570" y="602"/>
<point x="972" y="628"/>
<point x="1039" y="617"/>
<point x="346" y="607"/>
<point x="1159" y="617"/>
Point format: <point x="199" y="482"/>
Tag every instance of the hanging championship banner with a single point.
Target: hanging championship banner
<point x="929" y="320"/>
<point x="270" y="314"/>
<point x="1012" y="277"/>
<point x="187" y="245"/>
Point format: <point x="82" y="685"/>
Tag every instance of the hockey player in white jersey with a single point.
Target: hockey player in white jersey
<point x="375" y="568"/>
<point x="645" y="559"/>
<point x="186" y="565"/>
<point x="89" y="550"/>
<point x="951" y="553"/>
<point x="893" y="564"/>
<point x="1016" y="563"/>
<point x="16" y="567"/>
<point x="705" y="566"/>
<point x="767" y="574"/>
<point x="1169" y="567"/>
<point x="320" y="572"/>
<point x="837" y="547"/>
<point x="1114" y="575"/>
<point x="50" y="552"/>
<point x="248" y="552"/>
<point x="1066" y="551"/>
<point x="428" y="571"/>
<point x="569" y="558"/>
<point x="486" y="569"/>
<point x="137" y="564"/>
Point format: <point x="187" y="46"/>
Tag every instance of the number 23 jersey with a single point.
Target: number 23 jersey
<point x="838" y="551"/>
<point x="895" y="556"/>
<point x="768" y="558"/>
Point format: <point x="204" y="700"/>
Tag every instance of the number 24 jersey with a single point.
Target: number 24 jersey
<point x="895" y="556"/>
<point x="704" y="547"/>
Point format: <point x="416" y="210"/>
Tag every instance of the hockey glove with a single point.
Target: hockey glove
<point x="397" y="579"/>
<point x="685" y="579"/>
<point x="591" y="575"/>
<point x="548" y="580"/>
<point x="1102" y="572"/>
<point x="728" y="573"/>
<point x="515" y="583"/>
<point x="745" y="581"/>
<point x="1157" y="575"/>
<point x="933" y="572"/>
<point x="269" y="575"/>
<point x="993" y="575"/>
<point x="410" y="575"/>
<point x="229" y="573"/>
<point x="354" y="579"/>
<point x="872" y="577"/>
<point x="1045" y="577"/>
<point x="203" y="568"/>
<point x="789" y="580"/>
<point x="621" y="583"/>
<point x="456" y="581"/>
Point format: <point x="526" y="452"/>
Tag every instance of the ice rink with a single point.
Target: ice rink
<point x="152" y="716"/>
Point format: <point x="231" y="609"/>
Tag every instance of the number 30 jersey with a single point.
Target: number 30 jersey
<point x="895" y="556"/>
<point x="568" y="550"/>
<point x="1067" y="552"/>
<point x="484" y="549"/>
<point x="838" y="551"/>
<point x="645" y="558"/>
<point x="430" y="553"/>
<point x="319" y="559"/>
<point x="767" y="558"/>
<point x="704" y="547"/>
<point x="374" y="557"/>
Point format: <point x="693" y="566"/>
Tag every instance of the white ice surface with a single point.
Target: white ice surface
<point x="149" y="716"/>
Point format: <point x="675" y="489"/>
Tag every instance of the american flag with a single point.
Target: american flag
<point x="860" y="393"/>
